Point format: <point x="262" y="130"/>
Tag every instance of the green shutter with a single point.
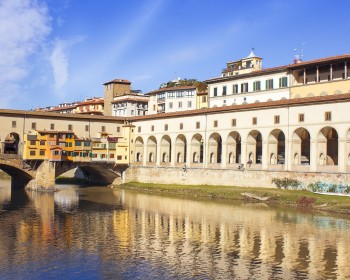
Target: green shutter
<point x="280" y="79"/>
<point x="254" y="86"/>
<point x="267" y="84"/>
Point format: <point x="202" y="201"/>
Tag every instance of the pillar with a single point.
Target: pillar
<point x="158" y="155"/>
<point x="345" y="70"/>
<point x="264" y="156"/>
<point x="331" y="72"/>
<point x="144" y="156"/>
<point x="172" y="153"/>
<point x="313" y="155"/>
<point x="244" y="152"/>
<point x="223" y="154"/>
<point x="45" y="177"/>
<point x="317" y="74"/>
<point x="304" y="81"/>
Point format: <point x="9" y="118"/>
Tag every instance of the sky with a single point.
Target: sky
<point x="55" y="51"/>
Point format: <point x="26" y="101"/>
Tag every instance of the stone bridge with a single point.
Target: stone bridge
<point x="41" y="174"/>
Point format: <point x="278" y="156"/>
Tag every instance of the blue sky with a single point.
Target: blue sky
<point x="64" y="50"/>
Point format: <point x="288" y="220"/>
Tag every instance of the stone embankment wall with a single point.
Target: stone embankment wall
<point x="224" y="177"/>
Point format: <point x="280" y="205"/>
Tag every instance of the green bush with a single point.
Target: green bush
<point x="287" y="183"/>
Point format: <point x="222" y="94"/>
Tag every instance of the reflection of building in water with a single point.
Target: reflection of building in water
<point x="66" y="199"/>
<point x="251" y="239"/>
<point x="5" y="192"/>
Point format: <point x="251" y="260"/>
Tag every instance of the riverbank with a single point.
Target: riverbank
<point x="292" y="198"/>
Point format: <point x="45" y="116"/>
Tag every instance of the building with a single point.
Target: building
<point x="90" y="106"/>
<point x="245" y="81"/>
<point x="133" y="104"/>
<point x="172" y="99"/>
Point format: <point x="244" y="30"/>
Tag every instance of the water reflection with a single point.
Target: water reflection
<point x="106" y="233"/>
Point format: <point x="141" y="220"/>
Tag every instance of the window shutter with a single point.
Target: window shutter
<point x="254" y="86"/>
<point x="267" y="84"/>
<point x="280" y="80"/>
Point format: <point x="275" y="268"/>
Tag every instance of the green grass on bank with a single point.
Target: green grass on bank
<point x="303" y="199"/>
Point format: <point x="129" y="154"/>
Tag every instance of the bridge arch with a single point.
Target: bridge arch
<point x="20" y="176"/>
<point x="11" y="143"/>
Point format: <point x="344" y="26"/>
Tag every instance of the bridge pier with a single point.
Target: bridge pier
<point x="45" y="177"/>
<point x="18" y="182"/>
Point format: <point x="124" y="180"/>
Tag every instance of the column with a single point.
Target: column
<point x="313" y="155"/>
<point x="342" y="155"/>
<point x="158" y="156"/>
<point x="331" y="72"/>
<point x="317" y="74"/>
<point x="288" y="161"/>
<point x="223" y="154"/>
<point x="304" y="76"/>
<point x="265" y="156"/>
<point x="144" y="157"/>
<point x="172" y="154"/>
<point x="188" y="154"/>
<point x="244" y="152"/>
<point x="345" y="70"/>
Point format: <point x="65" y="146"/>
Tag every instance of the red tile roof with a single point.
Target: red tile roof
<point x="118" y="81"/>
<point x="315" y="62"/>
<point x="170" y="89"/>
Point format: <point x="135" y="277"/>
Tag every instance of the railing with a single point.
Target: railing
<point x="10" y="156"/>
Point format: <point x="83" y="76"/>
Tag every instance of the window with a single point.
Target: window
<point x="42" y="143"/>
<point x="119" y="157"/>
<point x="224" y="90"/>
<point x="235" y="89"/>
<point x="215" y="123"/>
<point x="166" y="127"/>
<point x="42" y="153"/>
<point x="78" y="143"/>
<point x="32" y="153"/>
<point x="33" y="125"/>
<point x="215" y="91"/>
<point x="139" y="129"/>
<point x="14" y="124"/>
<point x="52" y="126"/>
<point x="179" y="94"/>
<point x="283" y="82"/>
<point x="171" y="94"/>
<point x="70" y="127"/>
<point x="32" y="142"/>
<point x="257" y="86"/>
<point x="86" y="128"/>
<point x="244" y="87"/>
<point x="189" y="104"/>
<point x="180" y="104"/>
<point x="254" y="121"/>
<point x="181" y="126"/>
<point x="103" y="128"/>
<point x="154" y="107"/>
<point x="277" y="119"/>
<point x="204" y="99"/>
<point x="118" y="129"/>
<point x="190" y="93"/>
<point x="198" y="125"/>
<point x="269" y="84"/>
<point x="152" y="128"/>
<point x="171" y="105"/>
<point x="328" y="116"/>
<point x="233" y="122"/>
<point x="301" y="117"/>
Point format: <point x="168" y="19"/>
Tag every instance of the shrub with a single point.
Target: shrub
<point x="287" y="183"/>
<point x="328" y="187"/>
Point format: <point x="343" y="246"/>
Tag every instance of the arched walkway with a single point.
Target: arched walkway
<point x="10" y="145"/>
<point x="215" y="148"/>
<point x="254" y="147"/>
<point x="197" y="144"/>
<point x="151" y="149"/>
<point x="327" y="146"/>
<point x="301" y="147"/>
<point x="180" y="149"/>
<point x="139" y="149"/>
<point x="234" y="147"/>
<point x="165" y="149"/>
<point x="276" y="147"/>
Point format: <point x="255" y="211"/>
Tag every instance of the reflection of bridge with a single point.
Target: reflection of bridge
<point x="45" y="172"/>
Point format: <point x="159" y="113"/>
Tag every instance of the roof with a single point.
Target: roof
<point x="93" y="101"/>
<point x="131" y="98"/>
<point x="251" y="74"/>
<point x="118" y="81"/>
<point x="251" y="106"/>
<point x="320" y="61"/>
<point x="170" y="89"/>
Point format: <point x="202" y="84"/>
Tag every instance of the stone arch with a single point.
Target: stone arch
<point x="327" y="145"/>
<point x="234" y="147"/>
<point x="19" y="177"/>
<point x="197" y="148"/>
<point x="276" y="147"/>
<point x="11" y="143"/>
<point x="165" y="148"/>
<point x="254" y="147"/>
<point x="301" y="146"/>
<point x="215" y="148"/>
<point x="151" y="149"/>
<point x="181" y="148"/>
<point x="139" y="149"/>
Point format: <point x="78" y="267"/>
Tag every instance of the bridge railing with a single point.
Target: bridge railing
<point x="10" y="156"/>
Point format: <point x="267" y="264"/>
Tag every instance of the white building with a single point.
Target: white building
<point x="172" y="99"/>
<point x="133" y="104"/>
<point x="244" y="81"/>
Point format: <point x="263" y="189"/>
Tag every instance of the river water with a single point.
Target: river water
<point x="104" y="233"/>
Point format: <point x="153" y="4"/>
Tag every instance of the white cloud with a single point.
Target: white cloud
<point x="59" y="60"/>
<point x="24" y="25"/>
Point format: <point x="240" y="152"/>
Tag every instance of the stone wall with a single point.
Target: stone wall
<point x="224" y="177"/>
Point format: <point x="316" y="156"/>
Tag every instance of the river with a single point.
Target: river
<point x="104" y="233"/>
